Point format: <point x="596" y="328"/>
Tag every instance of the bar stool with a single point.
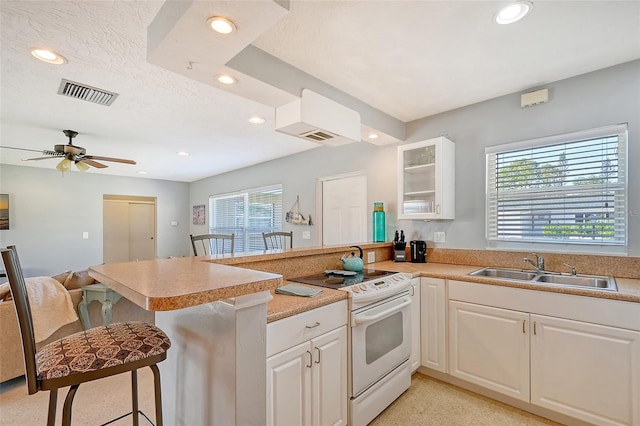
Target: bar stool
<point x="84" y="356"/>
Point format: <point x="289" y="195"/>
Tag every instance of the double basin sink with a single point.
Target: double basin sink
<point x="583" y="281"/>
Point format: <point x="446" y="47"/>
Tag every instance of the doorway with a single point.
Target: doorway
<point x="344" y="208"/>
<point x="129" y="228"/>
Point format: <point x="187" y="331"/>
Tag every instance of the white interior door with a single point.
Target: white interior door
<point x="344" y="210"/>
<point x="142" y="230"/>
<point x="129" y="230"/>
<point x="116" y="231"/>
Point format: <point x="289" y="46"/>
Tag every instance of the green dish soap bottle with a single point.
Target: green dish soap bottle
<point x="379" y="223"/>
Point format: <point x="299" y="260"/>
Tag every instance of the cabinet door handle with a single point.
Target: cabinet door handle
<point x="523" y="325"/>
<point x="438" y="209"/>
<point x="413" y="291"/>
<point x="310" y="359"/>
<point x="312" y="326"/>
<point x="318" y="360"/>
<point x="534" y="328"/>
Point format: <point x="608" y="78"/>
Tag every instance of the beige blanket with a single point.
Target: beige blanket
<point x="51" y="306"/>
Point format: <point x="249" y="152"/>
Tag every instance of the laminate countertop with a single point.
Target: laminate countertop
<point x="171" y="284"/>
<point x="283" y="306"/>
<point x="628" y="288"/>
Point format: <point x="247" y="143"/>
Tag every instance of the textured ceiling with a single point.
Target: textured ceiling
<point x="408" y="59"/>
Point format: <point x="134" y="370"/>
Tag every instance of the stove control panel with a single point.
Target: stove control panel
<point x="379" y="288"/>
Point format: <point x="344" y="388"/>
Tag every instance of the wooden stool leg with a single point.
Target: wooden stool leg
<point x="158" y="392"/>
<point x="53" y="402"/>
<point x="68" y="401"/>
<point x="134" y="397"/>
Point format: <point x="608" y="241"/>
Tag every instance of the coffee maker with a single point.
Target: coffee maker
<point x="418" y="251"/>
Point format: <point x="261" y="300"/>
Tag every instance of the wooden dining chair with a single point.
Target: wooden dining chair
<point x="84" y="356"/>
<point x="277" y="240"/>
<point x="212" y="244"/>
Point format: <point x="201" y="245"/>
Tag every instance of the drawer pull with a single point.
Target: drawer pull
<point x="312" y="326"/>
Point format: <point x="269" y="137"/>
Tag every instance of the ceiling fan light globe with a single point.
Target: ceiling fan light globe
<point x="81" y="166"/>
<point x="64" y="165"/>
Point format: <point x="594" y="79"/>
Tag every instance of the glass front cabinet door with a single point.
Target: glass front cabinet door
<point x="426" y="179"/>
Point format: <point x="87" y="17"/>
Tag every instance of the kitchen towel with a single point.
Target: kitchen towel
<point x="298" y="290"/>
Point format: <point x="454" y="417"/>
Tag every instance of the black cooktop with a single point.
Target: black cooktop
<point x="336" y="280"/>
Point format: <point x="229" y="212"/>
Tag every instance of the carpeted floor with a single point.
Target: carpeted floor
<point x="427" y="402"/>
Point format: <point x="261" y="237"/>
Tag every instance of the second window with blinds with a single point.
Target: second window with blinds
<point x="569" y="189"/>
<point x="247" y="214"/>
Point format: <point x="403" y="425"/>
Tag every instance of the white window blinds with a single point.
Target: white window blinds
<point x="247" y="214"/>
<point x="563" y="189"/>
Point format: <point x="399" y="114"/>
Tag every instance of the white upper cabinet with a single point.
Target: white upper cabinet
<point x="426" y="179"/>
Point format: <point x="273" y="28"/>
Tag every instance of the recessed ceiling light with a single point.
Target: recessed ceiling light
<point x="183" y="153"/>
<point x="221" y="25"/>
<point x="373" y="136"/>
<point x="225" y="79"/>
<point x="513" y="12"/>
<point x="48" y="56"/>
<point x="256" y="120"/>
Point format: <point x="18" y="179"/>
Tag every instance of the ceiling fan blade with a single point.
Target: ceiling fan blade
<point x="21" y="149"/>
<point x="41" y="158"/>
<point x="92" y="163"/>
<point x="116" y="160"/>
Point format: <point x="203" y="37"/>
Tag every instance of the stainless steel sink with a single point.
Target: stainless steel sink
<point x="602" y="283"/>
<point x="504" y="273"/>
<point x="583" y="281"/>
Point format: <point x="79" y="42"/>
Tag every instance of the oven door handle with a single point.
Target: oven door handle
<point x="363" y="318"/>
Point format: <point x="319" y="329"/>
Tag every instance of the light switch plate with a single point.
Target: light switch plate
<point x="306" y="235"/>
<point x="85" y="235"/>
<point x="371" y="257"/>
<point x="439" y="237"/>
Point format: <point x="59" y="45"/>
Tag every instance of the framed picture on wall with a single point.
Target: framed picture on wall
<point x="198" y="215"/>
<point x="4" y="211"/>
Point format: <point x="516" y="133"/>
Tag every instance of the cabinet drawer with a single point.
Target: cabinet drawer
<point x="291" y="331"/>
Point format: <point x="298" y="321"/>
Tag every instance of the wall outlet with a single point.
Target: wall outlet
<point x="85" y="235"/>
<point x="439" y="237"/>
<point x="306" y="235"/>
<point x="371" y="257"/>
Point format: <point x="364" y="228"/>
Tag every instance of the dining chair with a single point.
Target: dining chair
<point x="212" y="244"/>
<point x="85" y="356"/>
<point x="277" y="240"/>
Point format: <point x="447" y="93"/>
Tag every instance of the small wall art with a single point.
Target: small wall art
<point x="4" y="211"/>
<point x="198" y="215"/>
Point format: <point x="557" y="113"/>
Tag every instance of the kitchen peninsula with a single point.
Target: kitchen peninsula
<point x="215" y="316"/>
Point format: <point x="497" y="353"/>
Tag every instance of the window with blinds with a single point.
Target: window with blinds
<point x="568" y="188"/>
<point x="247" y="214"/>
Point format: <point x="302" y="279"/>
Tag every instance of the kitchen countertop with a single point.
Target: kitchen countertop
<point x="283" y="306"/>
<point x="171" y="284"/>
<point x="628" y="288"/>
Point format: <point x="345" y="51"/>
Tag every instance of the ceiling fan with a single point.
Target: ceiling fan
<point x="71" y="153"/>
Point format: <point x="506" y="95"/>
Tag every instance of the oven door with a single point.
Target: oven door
<point x="380" y="340"/>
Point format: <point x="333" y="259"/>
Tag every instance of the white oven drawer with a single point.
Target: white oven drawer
<point x="291" y="331"/>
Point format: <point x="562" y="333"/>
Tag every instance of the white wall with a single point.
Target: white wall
<point x="50" y="211"/>
<point x="596" y="99"/>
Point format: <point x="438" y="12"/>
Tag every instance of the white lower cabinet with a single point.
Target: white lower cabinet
<point x="587" y="371"/>
<point x="307" y="383"/>
<point x="433" y="324"/>
<point x="490" y="347"/>
<point x="414" y="360"/>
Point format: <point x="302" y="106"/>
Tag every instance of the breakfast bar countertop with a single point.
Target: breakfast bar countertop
<point x="176" y="283"/>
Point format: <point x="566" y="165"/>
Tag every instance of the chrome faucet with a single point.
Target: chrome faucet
<point x="573" y="268"/>
<point x="539" y="265"/>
